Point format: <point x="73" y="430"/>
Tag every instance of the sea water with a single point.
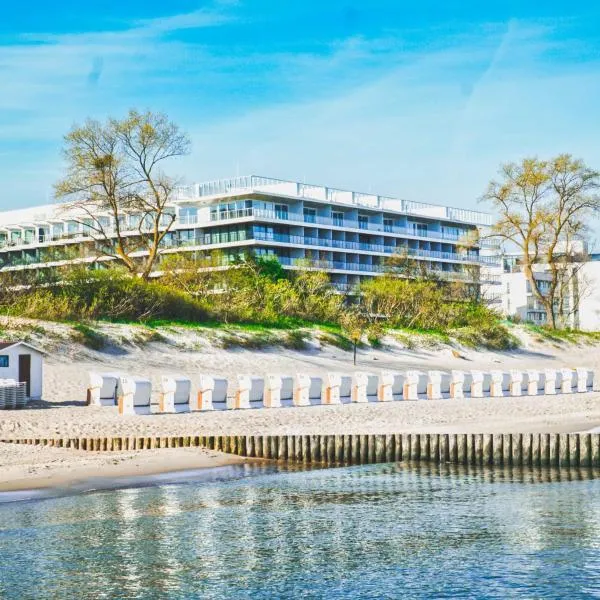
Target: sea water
<point x="381" y="531"/>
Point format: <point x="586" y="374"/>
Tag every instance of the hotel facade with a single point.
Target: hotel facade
<point x="347" y="234"/>
<point x="579" y="307"/>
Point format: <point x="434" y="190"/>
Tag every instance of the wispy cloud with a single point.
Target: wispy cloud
<point x="428" y="119"/>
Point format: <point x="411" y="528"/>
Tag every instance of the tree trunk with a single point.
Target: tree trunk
<point x="355" y="345"/>
<point x="550" y="316"/>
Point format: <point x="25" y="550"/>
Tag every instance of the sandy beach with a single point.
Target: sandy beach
<point x="35" y="467"/>
<point x="63" y="412"/>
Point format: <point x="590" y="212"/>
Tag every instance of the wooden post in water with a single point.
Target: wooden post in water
<point x="595" y="442"/>
<point x="371" y="445"/>
<point x="415" y="447"/>
<point x="461" y="449"/>
<point x="574" y="449"/>
<point x="364" y="449"/>
<point x="444" y="451"/>
<point x="379" y="448"/>
<point x="425" y="447"/>
<point x="563" y="450"/>
<point x="356" y="455"/>
<point x="331" y="450"/>
<point x="585" y="450"/>
<point x="348" y="449"/>
<point x="498" y="449"/>
<point x="507" y="449"/>
<point x="434" y="445"/>
<point x="453" y="448"/>
<point x="406" y="447"/>
<point x="517" y="449"/>
<point x="398" y="447"/>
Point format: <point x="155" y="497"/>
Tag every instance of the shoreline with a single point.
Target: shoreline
<point x="38" y="468"/>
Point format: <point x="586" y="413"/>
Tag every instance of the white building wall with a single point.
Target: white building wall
<point x="516" y="298"/>
<point x="37" y="367"/>
<point x="589" y="304"/>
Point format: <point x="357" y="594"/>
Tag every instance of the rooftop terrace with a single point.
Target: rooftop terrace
<point x="295" y="189"/>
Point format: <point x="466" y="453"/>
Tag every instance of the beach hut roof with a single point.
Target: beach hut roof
<point x="7" y="345"/>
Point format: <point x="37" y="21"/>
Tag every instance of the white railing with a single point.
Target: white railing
<point x="255" y="183"/>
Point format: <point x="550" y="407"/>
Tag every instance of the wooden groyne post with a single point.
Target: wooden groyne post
<point x="579" y="450"/>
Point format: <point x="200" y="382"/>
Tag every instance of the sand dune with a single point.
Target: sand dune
<point x="63" y="413"/>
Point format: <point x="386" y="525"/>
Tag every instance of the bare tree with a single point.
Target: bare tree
<point x="115" y="172"/>
<point x="544" y="208"/>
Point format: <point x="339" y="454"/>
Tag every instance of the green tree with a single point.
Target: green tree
<point x="544" y="208"/>
<point x="114" y="172"/>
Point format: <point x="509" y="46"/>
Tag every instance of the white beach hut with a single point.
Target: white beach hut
<point x="457" y="384"/>
<point x="135" y="395"/>
<point x="102" y="389"/>
<point x="175" y="395"/>
<point x="338" y="388"/>
<point x="212" y="393"/>
<point x="391" y="386"/>
<point x="438" y="386"/>
<point x="279" y="391"/>
<point x="500" y="383"/>
<point x="365" y="387"/>
<point x="585" y="379"/>
<point x="309" y="390"/>
<point x="25" y="364"/>
<point x="250" y="393"/>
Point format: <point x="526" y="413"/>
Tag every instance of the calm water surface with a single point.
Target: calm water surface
<point x="382" y="531"/>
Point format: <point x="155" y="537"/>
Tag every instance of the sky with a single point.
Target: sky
<point x="419" y="100"/>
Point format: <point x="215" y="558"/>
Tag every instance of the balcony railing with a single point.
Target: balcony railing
<point x="381" y="248"/>
<point x="293" y="217"/>
<point x="338" y="197"/>
<point x="327" y="243"/>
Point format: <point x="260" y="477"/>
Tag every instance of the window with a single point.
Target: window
<point x="281" y="211"/>
<point x="418" y="228"/>
<point x="388" y="224"/>
<point x="310" y="215"/>
<point x="338" y="219"/>
<point x="363" y="222"/>
<point x="4" y="362"/>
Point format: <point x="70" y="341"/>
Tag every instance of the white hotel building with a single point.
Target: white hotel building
<point x="348" y="234"/>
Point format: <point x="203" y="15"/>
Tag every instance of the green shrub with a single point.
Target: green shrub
<point x="493" y="337"/>
<point x="337" y="340"/>
<point x="89" y="337"/>
<point x="297" y="339"/>
<point x="374" y="341"/>
<point x="249" y="341"/>
<point x="108" y="294"/>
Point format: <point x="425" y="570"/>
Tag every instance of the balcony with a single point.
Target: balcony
<point x="259" y="213"/>
<point x="282" y="188"/>
<point x="380" y="248"/>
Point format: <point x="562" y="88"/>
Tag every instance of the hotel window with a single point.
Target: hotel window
<point x="450" y="232"/>
<point x="263" y="232"/>
<point x="281" y="211"/>
<point x="72" y="227"/>
<point x="338" y="219"/>
<point x="310" y="215"/>
<point x="388" y="225"/>
<point x="363" y="222"/>
<point x="418" y="228"/>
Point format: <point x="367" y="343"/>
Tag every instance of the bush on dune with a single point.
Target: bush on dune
<point x="108" y="294"/>
<point x="257" y="292"/>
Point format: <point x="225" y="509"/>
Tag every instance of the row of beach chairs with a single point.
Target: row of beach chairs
<point x="13" y="394"/>
<point x="133" y="394"/>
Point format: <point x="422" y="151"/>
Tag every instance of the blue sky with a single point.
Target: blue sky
<point x="418" y="100"/>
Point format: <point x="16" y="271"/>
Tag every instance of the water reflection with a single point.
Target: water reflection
<point x="359" y="531"/>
